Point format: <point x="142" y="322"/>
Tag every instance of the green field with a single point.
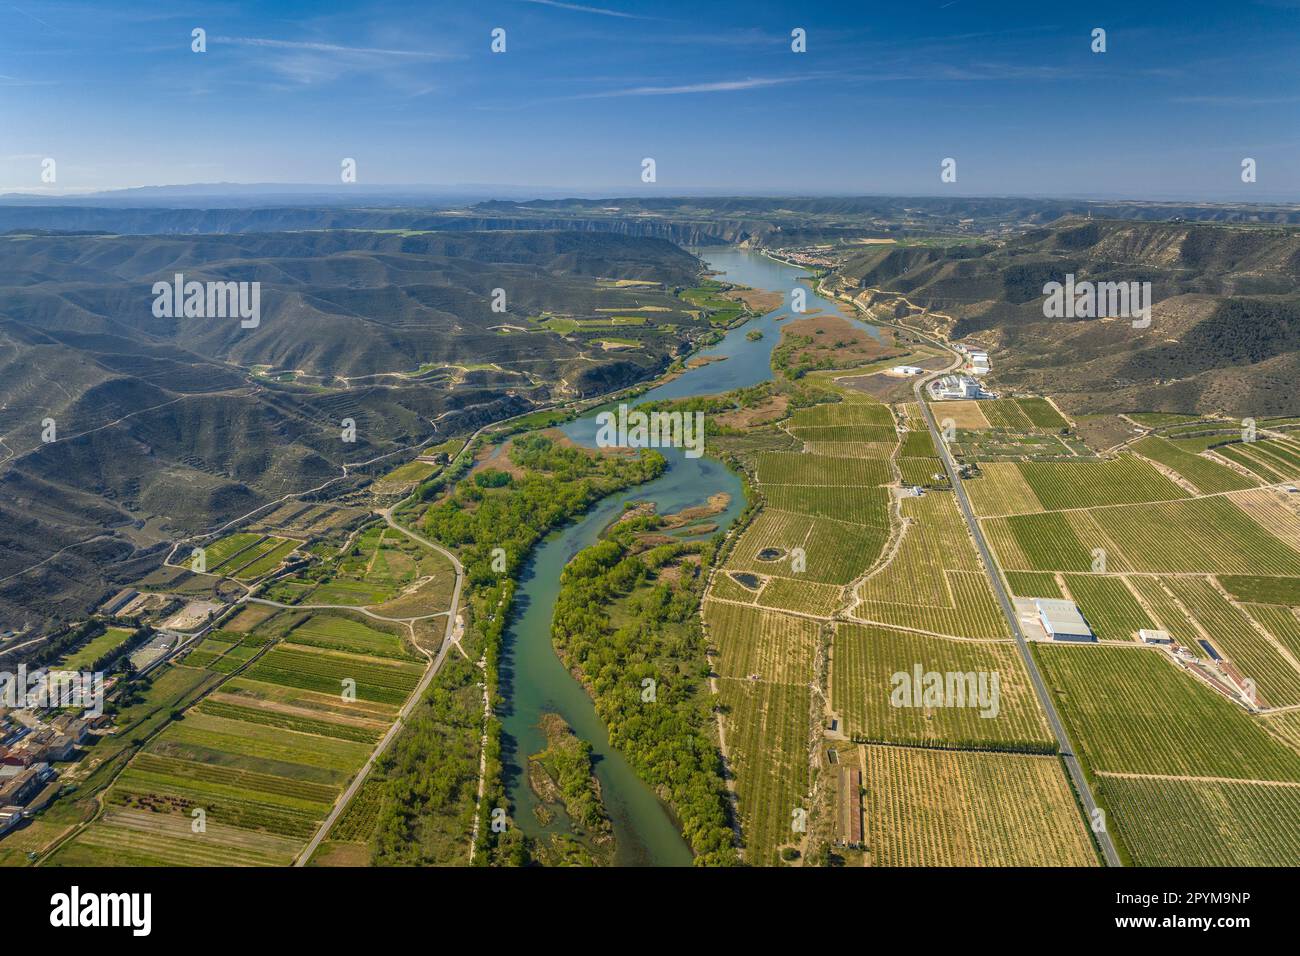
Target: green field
<point x="866" y="658"/>
<point x="325" y="672"/>
<point x="1166" y="822"/>
<point x="1108" y="605"/>
<point x="1133" y="711"/>
<point x="1208" y="476"/>
<point x="1087" y="484"/>
<point x="84" y="658"/>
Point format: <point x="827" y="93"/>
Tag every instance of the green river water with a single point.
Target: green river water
<point x="533" y="681"/>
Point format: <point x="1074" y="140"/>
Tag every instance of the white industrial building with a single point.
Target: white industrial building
<point x="1062" y="620"/>
<point x="957" y="387"/>
<point x="1150" y="635"/>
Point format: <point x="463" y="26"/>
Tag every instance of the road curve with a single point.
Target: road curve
<point x="435" y="664"/>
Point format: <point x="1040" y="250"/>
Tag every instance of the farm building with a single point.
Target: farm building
<point x="848" y="808"/>
<point x="118" y="601"/>
<point x="1062" y="620"/>
<point x="1152" y="636"/>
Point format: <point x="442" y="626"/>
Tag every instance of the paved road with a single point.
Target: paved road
<point x="1008" y="610"/>
<point x="435" y="664"/>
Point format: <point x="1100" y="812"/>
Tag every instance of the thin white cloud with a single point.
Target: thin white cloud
<point x="719" y="86"/>
<point x="581" y="8"/>
<point x="334" y="48"/>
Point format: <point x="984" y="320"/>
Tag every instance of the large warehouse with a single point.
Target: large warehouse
<point x="1062" y="620"/>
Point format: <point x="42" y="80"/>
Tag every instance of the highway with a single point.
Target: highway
<point x="1008" y="609"/>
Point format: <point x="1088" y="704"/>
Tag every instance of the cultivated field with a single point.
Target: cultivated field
<point x="1170" y="822"/>
<point x="945" y="808"/>
<point x="1133" y="711"/>
<point x="865" y="660"/>
<point x="246" y="776"/>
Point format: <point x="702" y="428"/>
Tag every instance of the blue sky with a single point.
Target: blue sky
<point x="711" y="90"/>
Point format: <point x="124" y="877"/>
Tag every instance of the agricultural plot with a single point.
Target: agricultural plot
<point x="1272" y="510"/>
<point x="1200" y="536"/>
<point x="767" y="739"/>
<point x="1259" y="589"/>
<point x="1088" y="484"/>
<point x="1208" y="476"/>
<point x="754" y="644"/>
<point x="944" y="808"/>
<point x="842" y="433"/>
<point x="1169" y="614"/>
<point x="1108" y="606"/>
<point x="851" y="449"/>
<point x="345" y="634"/>
<point x="1171" y="822"/>
<point x="1033" y="584"/>
<point x="764" y="662"/>
<point x="1285" y="726"/>
<point x="1042" y="413"/>
<point x="1281" y="622"/>
<point x="803" y="596"/>
<point x="836" y="552"/>
<point x="1235" y="635"/>
<point x="724" y="587"/>
<point x="126" y="836"/>
<point x="210" y="650"/>
<point x="1197" y="439"/>
<point x="1131" y="710"/>
<point x="1001" y="489"/>
<point x="246" y="556"/>
<point x="1006" y="413"/>
<point x="933" y="580"/>
<point x="844" y="413"/>
<point x="863" y="506"/>
<point x="1195" y="536"/>
<point x="84" y="658"/>
<point x="387" y="682"/>
<point x="382" y="569"/>
<point x="264" y="756"/>
<point x="795" y="468"/>
<point x="921" y="471"/>
<point x="1244" y="455"/>
<point x="266" y="562"/>
<point x="964" y="414"/>
<point x="403" y="478"/>
<point x="219" y="552"/>
<point x="865" y="682"/>
<point x="918" y="443"/>
<point x="1038" y="542"/>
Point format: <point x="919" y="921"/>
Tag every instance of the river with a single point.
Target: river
<point x="533" y="681"/>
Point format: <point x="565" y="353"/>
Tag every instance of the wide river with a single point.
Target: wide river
<point x="533" y="681"/>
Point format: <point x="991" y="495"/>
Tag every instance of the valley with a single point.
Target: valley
<point x="492" y="640"/>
